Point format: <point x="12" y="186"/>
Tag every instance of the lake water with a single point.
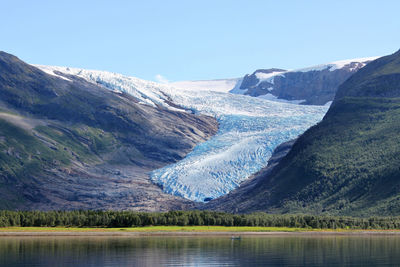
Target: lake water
<point x="201" y="251"/>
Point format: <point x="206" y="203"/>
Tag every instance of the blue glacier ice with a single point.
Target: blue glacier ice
<point x="242" y="146"/>
<point x="250" y="129"/>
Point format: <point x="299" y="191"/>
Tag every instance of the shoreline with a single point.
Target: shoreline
<point x="197" y="234"/>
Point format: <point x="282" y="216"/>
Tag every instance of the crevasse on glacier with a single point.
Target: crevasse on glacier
<point x="250" y="129"/>
<point x="242" y="147"/>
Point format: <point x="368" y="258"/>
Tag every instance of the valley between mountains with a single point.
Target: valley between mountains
<point x="270" y="141"/>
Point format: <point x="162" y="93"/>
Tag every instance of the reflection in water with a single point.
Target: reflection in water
<point x="200" y="251"/>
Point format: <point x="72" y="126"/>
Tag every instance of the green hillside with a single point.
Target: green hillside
<point x="349" y="163"/>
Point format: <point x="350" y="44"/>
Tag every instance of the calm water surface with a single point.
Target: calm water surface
<point x="201" y="251"/>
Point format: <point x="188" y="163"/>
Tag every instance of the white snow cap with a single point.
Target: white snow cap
<point x="337" y="64"/>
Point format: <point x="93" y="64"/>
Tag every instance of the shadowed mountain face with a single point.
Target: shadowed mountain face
<point x="66" y="143"/>
<point x="347" y="164"/>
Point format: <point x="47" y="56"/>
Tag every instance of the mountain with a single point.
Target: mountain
<point x="315" y="85"/>
<point x="105" y="140"/>
<point x="249" y="130"/>
<point x="347" y="164"/>
<point x="66" y="143"/>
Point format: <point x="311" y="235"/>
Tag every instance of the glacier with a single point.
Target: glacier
<point x="249" y="130"/>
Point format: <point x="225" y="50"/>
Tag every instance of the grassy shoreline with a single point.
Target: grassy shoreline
<point x="156" y="229"/>
<point x="180" y="231"/>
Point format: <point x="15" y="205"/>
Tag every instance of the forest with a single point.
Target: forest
<point x="111" y="219"/>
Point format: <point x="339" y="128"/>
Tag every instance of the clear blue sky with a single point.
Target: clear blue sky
<point x="191" y="40"/>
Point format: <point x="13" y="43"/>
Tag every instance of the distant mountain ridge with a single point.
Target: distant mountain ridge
<point x="348" y="164"/>
<point x="315" y="85"/>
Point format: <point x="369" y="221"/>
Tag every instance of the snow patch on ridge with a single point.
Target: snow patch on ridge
<point x="268" y="77"/>
<point x="337" y="65"/>
<point x="146" y="92"/>
<point x="50" y="70"/>
<point x="221" y="85"/>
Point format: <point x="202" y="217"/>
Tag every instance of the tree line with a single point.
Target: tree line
<point x="91" y="218"/>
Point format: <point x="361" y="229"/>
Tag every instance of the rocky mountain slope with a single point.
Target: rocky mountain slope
<point x="348" y="163"/>
<point x="66" y="143"/>
<point x="315" y="85"/>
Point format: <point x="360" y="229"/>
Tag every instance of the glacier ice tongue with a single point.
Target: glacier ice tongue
<point x="250" y="129"/>
<point x="242" y="146"/>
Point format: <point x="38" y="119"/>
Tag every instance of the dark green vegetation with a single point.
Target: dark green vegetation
<point x="184" y="218"/>
<point x="348" y="164"/>
<point x="68" y="144"/>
